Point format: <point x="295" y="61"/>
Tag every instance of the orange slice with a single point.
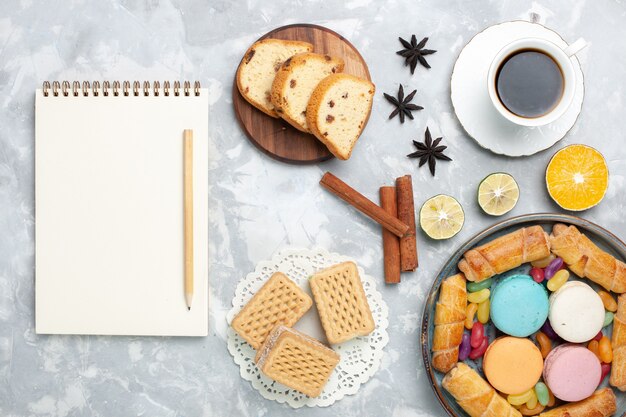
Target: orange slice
<point x="577" y="177"/>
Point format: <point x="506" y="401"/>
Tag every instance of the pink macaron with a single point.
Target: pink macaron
<point x="572" y="372"/>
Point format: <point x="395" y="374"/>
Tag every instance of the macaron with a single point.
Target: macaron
<point x="512" y="365"/>
<point x="519" y="305"/>
<point x="572" y="372"/>
<point x="576" y="312"/>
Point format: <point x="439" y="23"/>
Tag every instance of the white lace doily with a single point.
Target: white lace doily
<point x="360" y="357"/>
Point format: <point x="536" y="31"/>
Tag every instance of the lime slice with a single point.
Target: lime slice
<point x="441" y="217"/>
<point x="498" y="194"/>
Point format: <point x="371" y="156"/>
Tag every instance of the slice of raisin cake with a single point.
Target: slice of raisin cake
<point x="296" y="80"/>
<point x="259" y="66"/>
<point x="338" y="110"/>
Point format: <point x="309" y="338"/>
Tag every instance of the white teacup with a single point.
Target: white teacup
<point x="562" y="57"/>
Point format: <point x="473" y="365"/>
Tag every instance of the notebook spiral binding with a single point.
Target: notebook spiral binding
<point x="116" y="88"/>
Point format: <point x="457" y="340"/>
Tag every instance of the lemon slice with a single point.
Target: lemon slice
<point x="498" y="194"/>
<point x="441" y="217"/>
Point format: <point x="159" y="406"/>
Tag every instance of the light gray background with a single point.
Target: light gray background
<point x="258" y="205"/>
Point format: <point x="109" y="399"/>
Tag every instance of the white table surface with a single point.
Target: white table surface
<point x="258" y="205"/>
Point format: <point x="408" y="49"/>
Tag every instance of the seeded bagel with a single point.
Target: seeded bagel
<point x="296" y="80"/>
<point x="338" y="110"/>
<point x="259" y="66"/>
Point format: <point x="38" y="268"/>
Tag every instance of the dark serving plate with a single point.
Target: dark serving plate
<point x="601" y="237"/>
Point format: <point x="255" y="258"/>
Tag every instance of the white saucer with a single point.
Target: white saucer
<point x="473" y="106"/>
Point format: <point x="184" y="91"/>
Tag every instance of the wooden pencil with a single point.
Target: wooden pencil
<point x="188" y="213"/>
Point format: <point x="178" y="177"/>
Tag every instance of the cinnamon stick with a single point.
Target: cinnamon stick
<point x="406" y="214"/>
<point x="364" y="205"/>
<point x="391" y="243"/>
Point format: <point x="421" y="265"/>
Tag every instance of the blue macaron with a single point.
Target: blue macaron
<point x="519" y="306"/>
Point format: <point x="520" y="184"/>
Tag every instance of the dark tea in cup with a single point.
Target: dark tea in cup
<point x="532" y="82"/>
<point x="529" y="83"/>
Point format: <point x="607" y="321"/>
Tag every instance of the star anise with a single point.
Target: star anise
<point x="429" y="151"/>
<point x="404" y="107"/>
<point x="414" y="52"/>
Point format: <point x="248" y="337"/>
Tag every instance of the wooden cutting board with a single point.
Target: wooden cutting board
<point x="276" y="137"/>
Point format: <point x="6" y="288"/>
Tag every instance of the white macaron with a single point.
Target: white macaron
<point x="576" y="312"/>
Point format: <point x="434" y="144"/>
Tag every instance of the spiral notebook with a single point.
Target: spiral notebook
<point x="109" y="208"/>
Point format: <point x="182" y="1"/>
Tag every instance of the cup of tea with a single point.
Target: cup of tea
<point x="531" y="81"/>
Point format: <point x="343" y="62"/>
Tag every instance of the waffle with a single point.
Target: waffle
<point x="341" y="303"/>
<point x="279" y="301"/>
<point x="296" y="360"/>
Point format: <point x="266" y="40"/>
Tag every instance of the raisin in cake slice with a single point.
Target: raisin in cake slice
<point x="338" y="110"/>
<point x="259" y="66"/>
<point x="296" y="80"/>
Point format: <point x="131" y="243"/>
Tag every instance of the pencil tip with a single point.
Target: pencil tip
<point x="188" y="308"/>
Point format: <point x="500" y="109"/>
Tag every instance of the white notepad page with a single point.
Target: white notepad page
<point x="109" y="214"/>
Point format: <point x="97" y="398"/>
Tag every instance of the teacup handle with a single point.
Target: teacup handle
<point x="575" y="47"/>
